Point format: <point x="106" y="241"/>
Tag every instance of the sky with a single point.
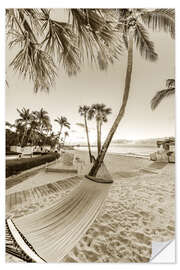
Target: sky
<point x="93" y="86"/>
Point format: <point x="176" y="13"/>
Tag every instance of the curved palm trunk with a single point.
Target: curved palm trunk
<point x="87" y="134"/>
<point x="120" y="115"/>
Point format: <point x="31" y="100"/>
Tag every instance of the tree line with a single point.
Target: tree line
<point x="35" y="129"/>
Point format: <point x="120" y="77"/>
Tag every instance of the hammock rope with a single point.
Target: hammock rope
<point x="53" y="231"/>
<point x="33" y="195"/>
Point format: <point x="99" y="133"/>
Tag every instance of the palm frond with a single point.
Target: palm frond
<point x="103" y="63"/>
<point x="8" y="124"/>
<point x="143" y="43"/>
<point x="100" y="111"/>
<point x="107" y="111"/>
<point x="30" y="21"/>
<point x="35" y="64"/>
<point x="83" y="110"/>
<point x="160" y="19"/>
<point x="95" y="35"/>
<point x="10" y="19"/>
<point x="91" y="113"/>
<point x="170" y="83"/>
<point x="17" y="38"/>
<point x="61" y="41"/>
<point x="160" y="95"/>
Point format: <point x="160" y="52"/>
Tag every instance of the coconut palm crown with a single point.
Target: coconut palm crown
<point x="63" y="122"/>
<point x="43" y="119"/>
<point x="99" y="112"/>
<point x="24" y="121"/>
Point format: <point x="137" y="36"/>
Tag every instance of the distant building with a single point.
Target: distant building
<point x="165" y="152"/>
<point x="16" y="149"/>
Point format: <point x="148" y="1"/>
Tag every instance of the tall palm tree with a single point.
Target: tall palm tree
<point x="160" y="95"/>
<point x="100" y="112"/>
<point x="63" y="122"/>
<point x="24" y="120"/>
<point x="66" y="134"/>
<point x="131" y="25"/>
<point x="83" y="111"/>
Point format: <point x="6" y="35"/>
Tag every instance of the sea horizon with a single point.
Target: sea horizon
<point x="129" y="150"/>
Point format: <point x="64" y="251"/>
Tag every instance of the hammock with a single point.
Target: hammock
<point x="33" y="195"/>
<point x="49" y="234"/>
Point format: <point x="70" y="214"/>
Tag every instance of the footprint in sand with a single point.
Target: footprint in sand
<point x="142" y="238"/>
<point x="171" y="228"/>
<point x="161" y="211"/>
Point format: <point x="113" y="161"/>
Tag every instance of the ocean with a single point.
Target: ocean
<point x="128" y="150"/>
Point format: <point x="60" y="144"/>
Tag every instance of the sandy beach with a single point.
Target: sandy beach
<point x="139" y="209"/>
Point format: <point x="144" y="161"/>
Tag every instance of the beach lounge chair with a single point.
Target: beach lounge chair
<point x="50" y="234"/>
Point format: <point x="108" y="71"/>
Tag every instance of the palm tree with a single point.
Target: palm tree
<point x="100" y="112"/>
<point x="33" y="128"/>
<point x="65" y="135"/>
<point x="83" y="111"/>
<point x="63" y="122"/>
<point x="89" y="33"/>
<point x="42" y="119"/>
<point x="160" y="95"/>
<point x="24" y="120"/>
<point x="132" y="24"/>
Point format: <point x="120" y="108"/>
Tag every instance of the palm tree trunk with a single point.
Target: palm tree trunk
<point x="98" y="137"/>
<point x="64" y="139"/>
<point x="60" y="131"/>
<point x="87" y="134"/>
<point x="100" y="126"/>
<point x="60" y="134"/>
<point x="22" y="139"/>
<point x="30" y="135"/>
<point x="120" y="115"/>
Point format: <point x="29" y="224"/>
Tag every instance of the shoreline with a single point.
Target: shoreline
<point x="139" y="209"/>
<point x="128" y="154"/>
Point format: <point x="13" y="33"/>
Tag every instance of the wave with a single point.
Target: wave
<point x="140" y="155"/>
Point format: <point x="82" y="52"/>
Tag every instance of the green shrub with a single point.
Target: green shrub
<point x="19" y="165"/>
<point x="11" y="153"/>
<point x="40" y="153"/>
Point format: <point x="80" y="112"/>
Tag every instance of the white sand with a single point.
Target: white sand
<point x="140" y="207"/>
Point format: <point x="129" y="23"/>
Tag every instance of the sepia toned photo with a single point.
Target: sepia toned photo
<point x="90" y="134"/>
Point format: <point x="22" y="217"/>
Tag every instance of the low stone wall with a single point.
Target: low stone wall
<point x="15" y="179"/>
